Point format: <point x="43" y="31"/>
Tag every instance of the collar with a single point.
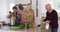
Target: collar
<point x="50" y="11"/>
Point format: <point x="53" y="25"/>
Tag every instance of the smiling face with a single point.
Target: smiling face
<point x="14" y="10"/>
<point x="48" y="7"/>
<point x="28" y="7"/>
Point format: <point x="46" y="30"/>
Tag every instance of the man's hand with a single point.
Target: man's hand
<point x="48" y="21"/>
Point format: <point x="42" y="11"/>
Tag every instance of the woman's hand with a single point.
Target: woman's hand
<point x="8" y="16"/>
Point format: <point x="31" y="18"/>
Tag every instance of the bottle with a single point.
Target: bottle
<point x="43" y="25"/>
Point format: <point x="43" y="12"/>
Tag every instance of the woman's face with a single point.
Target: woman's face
<point x="29" y="6"/>
<point x="14" y="10"/>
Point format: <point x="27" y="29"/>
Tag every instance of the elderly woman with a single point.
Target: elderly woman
<point x="29" y="13"/>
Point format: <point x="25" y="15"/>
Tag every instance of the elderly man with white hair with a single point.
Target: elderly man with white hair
<point x="51" y="18"/>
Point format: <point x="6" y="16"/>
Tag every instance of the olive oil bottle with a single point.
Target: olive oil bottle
<point x="43" y="25"/>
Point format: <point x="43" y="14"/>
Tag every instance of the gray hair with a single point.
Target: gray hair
<point x="48" y="5"/>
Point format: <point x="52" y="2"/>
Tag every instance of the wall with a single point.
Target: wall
<point x="3" y="10"/>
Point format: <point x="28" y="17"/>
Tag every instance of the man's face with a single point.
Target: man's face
<point x="14" y="10"/>
<point x="48" y="8"/>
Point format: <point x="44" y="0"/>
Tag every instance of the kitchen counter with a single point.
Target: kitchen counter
<point x="38" y="29"/>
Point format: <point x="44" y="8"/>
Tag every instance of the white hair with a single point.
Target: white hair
<point x="48" y="5"/>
